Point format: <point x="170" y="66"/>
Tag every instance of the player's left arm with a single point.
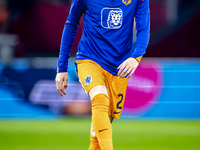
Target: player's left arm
<point x="142" y="15"/>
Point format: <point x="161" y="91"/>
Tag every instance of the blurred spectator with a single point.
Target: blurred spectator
<point x="187" y="8"/>
<point x="16" y="8"/>
<point x="39" y="25"/>
<point x="3" y="14"/>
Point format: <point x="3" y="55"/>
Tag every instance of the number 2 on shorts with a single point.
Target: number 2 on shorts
<point x="120" y="95"/>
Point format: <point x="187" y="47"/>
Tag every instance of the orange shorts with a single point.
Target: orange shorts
<point x="91" y="74"/>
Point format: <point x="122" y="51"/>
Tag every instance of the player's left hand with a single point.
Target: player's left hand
<point x="128" y="67"/>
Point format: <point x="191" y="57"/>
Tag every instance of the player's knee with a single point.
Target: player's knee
<point x="99" y="89"/>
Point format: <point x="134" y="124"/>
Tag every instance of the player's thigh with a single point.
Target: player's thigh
<point x="91" y="77"/>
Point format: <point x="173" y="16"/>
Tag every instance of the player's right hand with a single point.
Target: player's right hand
<point x="60" y="77"/>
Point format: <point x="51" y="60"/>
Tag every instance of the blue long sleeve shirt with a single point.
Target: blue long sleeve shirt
<point x="107" y="37"/>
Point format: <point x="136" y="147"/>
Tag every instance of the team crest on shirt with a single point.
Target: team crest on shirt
<point x="88" y="80"/>
<point x="126" y="2"/>
<point x="111" y="18"/>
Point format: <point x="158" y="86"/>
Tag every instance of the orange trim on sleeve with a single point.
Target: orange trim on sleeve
<point x="57" y="69"/>
<point x="139" y="58"/>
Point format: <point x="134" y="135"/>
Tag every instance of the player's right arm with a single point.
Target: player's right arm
<point x="69" y="33"/>
<point x="142" y="15"/>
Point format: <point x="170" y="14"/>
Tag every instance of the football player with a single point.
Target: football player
<point x="106" y="57"/>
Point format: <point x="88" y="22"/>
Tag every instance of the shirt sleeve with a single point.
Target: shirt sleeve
<point x="142" y="15"/>
<point x="69" y="33"/>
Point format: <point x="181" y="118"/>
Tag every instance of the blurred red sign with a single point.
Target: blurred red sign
<point x="144" y="88"/>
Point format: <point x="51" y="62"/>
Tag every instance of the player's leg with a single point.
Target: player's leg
<point x="92" y="78"/>
<point x="94" y="143"/>
<point x="100" y="119"/>
<point x="116" y="89"/>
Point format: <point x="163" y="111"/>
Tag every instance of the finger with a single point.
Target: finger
<point x="123" y="72"/>
<point x="63" y="86"/>
<point x="122" y="64"/>
<point x="60" y="84"/>
<point x="60" y="87"/>
<point x="59" y="91"/>
<point x="127" y="72"/>
<point x="121" y="69"/>
<point x="65" y="83"/>
<point x="131" y="73"/>
<point x="63" y="91"/>
<point x="119" y="66"/>
<point x="57" y="87"/>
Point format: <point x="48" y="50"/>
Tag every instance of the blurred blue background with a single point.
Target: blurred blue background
<point x="166" y="84"/>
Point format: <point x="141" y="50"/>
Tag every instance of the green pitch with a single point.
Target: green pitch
<point x="73" y="134"/>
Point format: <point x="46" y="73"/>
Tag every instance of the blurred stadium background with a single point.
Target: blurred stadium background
<point x="162" y="106"/>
